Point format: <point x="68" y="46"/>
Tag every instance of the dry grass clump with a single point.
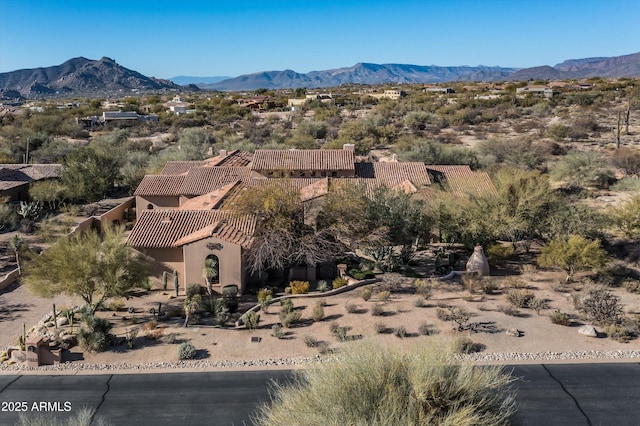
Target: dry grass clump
<point x="376" y="385"/>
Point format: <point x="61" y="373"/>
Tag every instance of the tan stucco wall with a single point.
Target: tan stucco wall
<point x="158" y="202"/>
<point x="166" y="259"/>
<point x="230" y="258"/>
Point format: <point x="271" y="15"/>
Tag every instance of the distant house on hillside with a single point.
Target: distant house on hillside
<point x="122" y="118"/>
<point x="389" y="94"/>
<point x="545" y="91"/>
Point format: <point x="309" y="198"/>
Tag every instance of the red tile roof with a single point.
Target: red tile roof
<point x="394" y="173"/>
<point x="173" y="228"/>
<point x="12" y="175"/>
<point x="181" y="167"/>
<point x="235" y="158"/>
<point x="462" y="180"/>
<point x="303" y="160"/>
<point x="202" y="180"/>
<point x="160" y="185"/>
<point x="209" y="201"/>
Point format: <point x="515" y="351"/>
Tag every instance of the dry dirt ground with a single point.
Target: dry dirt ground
<point x="487" y="325"/>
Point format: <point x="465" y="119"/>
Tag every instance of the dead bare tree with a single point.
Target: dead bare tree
<point x="618" y="132"/>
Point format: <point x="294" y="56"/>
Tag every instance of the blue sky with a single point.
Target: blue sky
<point x="228" y="38"/>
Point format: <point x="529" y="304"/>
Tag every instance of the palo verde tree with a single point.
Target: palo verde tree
<point x="282" y="239"/>
<point x="88" y="174"/>
<point x="87" y="265"/>
<point x="572" y="254"/>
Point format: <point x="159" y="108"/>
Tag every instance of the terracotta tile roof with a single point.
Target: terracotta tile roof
<point x="173" y="228"/>
<point x="303" y="160"/>
<point x="209" y="201"/>
<point x="160" y="185"/>
<point x="181" y="167"/>
<point x="202" y="180"/>
<point x="237" y="158"/>
<point x="393" y="173"/>
<point x="462" y="180"/>
<point x="13" y="175"/>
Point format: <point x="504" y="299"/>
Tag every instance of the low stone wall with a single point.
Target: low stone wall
<point x="9" y="279"/>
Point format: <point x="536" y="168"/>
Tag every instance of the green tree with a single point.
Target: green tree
<point x="89" y="175"/>
<point x="87" y="266"/>
<point x="626" y="217"/>
<point x="572" y="254"/>
<point x="583" y="169"/>
<point x="191" y="306"/>
<point x="383" y="386"/>
<point x="49" y="193"/>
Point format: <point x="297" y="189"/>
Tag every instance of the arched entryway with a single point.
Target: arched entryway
<point x="211" y="271"/>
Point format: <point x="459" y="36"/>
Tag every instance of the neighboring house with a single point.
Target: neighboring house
<point x="545" y="91"/>
<point x="15" y="178"/>
<point x="185" y="213"/>
<point x="111" y="117"/>
<point x="436" y="89"/>
<point x="389" y="94"/>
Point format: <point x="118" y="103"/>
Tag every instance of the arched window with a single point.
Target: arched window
<point x="149" y="206"/>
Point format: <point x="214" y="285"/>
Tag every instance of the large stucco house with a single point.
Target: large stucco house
<point x="184" y="214"/>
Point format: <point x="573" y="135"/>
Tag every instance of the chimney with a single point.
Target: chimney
<point x="394" y="158"/>
<point x="223" y="153"/>
<point x="348" y="147"/>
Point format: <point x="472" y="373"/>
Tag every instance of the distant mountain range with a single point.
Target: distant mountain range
<point x="78" y="76"/>
<point x="184" y="80"/>
<point x="85" y="76"/>
<point x="619" y="66"/>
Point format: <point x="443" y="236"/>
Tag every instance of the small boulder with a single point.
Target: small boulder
<point x="62" y="321"/>
<point x="18" y="356"/>
<point x="512" y="332"/>
<point x="588" y="330"/>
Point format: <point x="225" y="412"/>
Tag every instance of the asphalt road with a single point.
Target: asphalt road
<point x="579" y="394"/>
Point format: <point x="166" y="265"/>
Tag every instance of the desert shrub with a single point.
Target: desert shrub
<point x="418" y="302"/>
<point x="299" y="287"/>
<point x="380" y="328"/>
<point x="520" y="298"/>
<point x="459" y="316"/>
<point x="131" y="337"/>
<point x="230" y="302"/>
<point x="508" y="310"/>
<point x="96" y="336"/>
<point x="186" y="351"/>
<point x="218" y="310"/>
<point x="286" y="305"/>
<point x="251" y="319"/>
<point x="376" y="386"/>
<point x="366" y="292"/>
<point x="464" y="345"/>
<point x="632" y="286"/>
<point x="557" y="131"/>
<point x="322" y="302"/>
<point x="442" y="315"/>
<point x="538" y="304"/>
<point x="151" y="325"/>
<point x="377" y="310"/>
<point x="498" y="254"/>
<point x="357" y="274"/>
<point x="515" y="282"/>
<point x="350" y="308"/>
<point x="8" y="217"/>
<point x="470" y="282"/>
<point x="528" y="269"/>
<point x="154" y="334"/>
<point x="424" y="329"/>
<point x="560" y="318"/>
<point x="488" y="286"/>
<point x="116" y="305"/>
<point x="287" y="290"/>
<point x="622" y="333"/>
<point x="193" y="289"/>
<point x="339" y="282"/>
<point x="601" y="306"/>
<point x="401" y="332"/>
<point x="276" y="331"/>
<point x="311" y="341"/>
<point x="172" y="338"/>
<point x="289" y="318"/>
<point x="340" y="333"/>
<point x="423" y="288"/>
<point x="384" y="295"/>
<point x="318" y="312"/>
<point x="264" y="294"/>
<point x="322" y="286"/>
<point x="82" y="417"/>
